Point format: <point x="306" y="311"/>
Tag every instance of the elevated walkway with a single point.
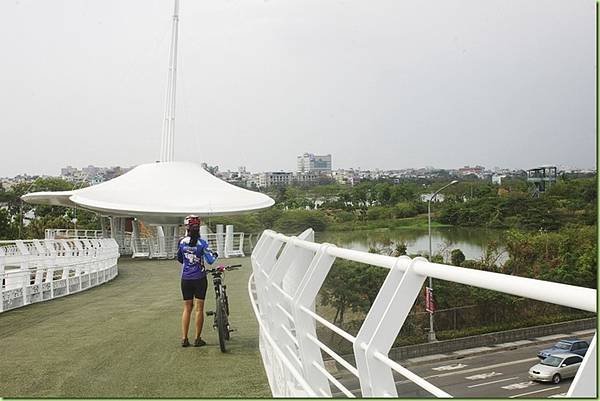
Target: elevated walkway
<point x="121" y="340"/>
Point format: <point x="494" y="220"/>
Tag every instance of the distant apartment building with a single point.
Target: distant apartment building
<point x="497" y="178"/>
<point x="68" y="171"/>
<point x="275" y="178"/>
<point x="253" y="180"/>
<point x="310" y="163"/>
<point x="91" y="171"/>
<point x="427" y="197"/>
<point x="349" y="177"/>
<point x="306" y="177"/>
<point x="467" y="170"/>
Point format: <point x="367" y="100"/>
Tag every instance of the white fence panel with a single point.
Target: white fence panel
<point x="40" y="270"/>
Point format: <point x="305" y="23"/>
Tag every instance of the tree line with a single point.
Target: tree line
<point x="13" y="211"/>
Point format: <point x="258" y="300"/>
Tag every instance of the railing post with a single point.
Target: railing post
<point x="390" y="314"/>
<point x="2" y="281"/>
<point x="298" y="268"/>
<point x="371" y="322"/>
<point x="65" y="269"/>
<point x="24" y="268"/>
<point x="220" y="240"/>
<point x="310" y="353"/>
<point x="241" y="247"/>
<point x="277" y="321"/>
<point x="228" y="240"/>
<point x="204" y="232"/>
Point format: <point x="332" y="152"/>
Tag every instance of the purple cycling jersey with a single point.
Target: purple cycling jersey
<point x="193" y="257"/>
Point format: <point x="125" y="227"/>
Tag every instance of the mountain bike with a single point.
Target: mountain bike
<point x="221" y="312"/>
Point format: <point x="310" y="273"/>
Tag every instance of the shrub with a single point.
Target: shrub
<point x="296" y="221"/>
<point x="404" y="209"/>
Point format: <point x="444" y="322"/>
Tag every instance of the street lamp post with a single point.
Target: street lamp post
<point x="431" y="335"/>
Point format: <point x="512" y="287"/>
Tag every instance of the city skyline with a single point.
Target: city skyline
<point x="82" y="169"/>
<point x="494" y="84"/>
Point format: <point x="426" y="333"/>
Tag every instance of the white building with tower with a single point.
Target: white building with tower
<point x="158" y="195"/>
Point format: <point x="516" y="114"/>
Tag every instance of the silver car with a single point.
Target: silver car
<point x="556" y="367"/>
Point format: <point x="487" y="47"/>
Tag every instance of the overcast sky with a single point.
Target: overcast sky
<point x="378" y="84"/>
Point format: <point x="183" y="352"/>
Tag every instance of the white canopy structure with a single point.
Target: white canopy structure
<point x="161" y="193"/>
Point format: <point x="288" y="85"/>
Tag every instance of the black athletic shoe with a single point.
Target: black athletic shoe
<point x="185" y="342"/>
<point x="199" y="342"/>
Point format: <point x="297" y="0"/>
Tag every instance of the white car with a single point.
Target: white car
<point x="556" y="367"/>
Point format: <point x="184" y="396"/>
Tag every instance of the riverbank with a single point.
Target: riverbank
<point x="418" y="222"/>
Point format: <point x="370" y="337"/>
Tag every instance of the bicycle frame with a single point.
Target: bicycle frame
<point x="221" y="314"/>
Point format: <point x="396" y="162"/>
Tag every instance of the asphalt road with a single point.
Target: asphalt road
<point x="501" y="374"/>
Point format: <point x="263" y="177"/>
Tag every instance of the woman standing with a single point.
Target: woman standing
<point x="192" y="253"/>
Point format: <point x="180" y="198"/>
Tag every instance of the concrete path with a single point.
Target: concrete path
<point x="122" y="339"/>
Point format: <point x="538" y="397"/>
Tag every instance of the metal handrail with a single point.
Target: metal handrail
<point x="284" y="270"/>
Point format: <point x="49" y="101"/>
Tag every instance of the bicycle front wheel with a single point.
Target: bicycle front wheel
<point x="222" y="324"/>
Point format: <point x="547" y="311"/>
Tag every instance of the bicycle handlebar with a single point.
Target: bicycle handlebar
<point x="221" y="268"/>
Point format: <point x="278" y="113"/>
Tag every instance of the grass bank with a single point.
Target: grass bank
<point x="417" y="222"/>
<point x="121" y="340"/>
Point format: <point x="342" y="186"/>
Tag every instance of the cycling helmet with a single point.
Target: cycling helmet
<point x="192" y="220"/>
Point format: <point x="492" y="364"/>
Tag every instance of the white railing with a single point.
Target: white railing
<point x="39" y="270"/>
<point x="231" y="246"/>
<point x="150" y="247"/>
<point x="287" y="275"/>
<point x="63" y="233"/>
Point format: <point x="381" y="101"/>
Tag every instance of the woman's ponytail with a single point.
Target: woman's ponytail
<point x="194" y="236"/>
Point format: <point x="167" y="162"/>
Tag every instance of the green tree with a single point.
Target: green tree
<point x="296" y="221"/>
<point x="342" y="289"/>
<point x="8" y="229"/>
<point x="457" y="257"/>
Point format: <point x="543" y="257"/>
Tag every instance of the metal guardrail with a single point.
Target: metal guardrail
<point x="39" y="270"/>
<point x="287" y="275"/>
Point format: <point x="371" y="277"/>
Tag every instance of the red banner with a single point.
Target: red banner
<point x="430" y="305"/>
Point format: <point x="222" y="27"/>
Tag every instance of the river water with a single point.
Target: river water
<point x="471" y="241"/>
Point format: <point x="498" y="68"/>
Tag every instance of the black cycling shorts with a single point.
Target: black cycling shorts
<point x="194" y="288"/>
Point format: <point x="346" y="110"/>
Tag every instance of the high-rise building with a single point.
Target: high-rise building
<point x="309" y="163"/>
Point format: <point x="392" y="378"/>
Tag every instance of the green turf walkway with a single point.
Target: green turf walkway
<point x="121" y="339"/>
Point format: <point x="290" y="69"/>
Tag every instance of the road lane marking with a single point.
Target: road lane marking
<point x="533" y="392"/>
<point x="450" y="367"/>
<point x="495" y="381"/>
<point x="518" y="386"/>
<point x="483" y="376"/>
<point x="483" y="368"/>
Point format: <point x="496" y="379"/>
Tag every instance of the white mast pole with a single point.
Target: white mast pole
<point x="167" y="153"/>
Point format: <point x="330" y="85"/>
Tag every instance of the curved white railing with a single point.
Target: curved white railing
<point x="68" y="233"/>
<point x="287" y="275"/>
<point x="39" y="270"/>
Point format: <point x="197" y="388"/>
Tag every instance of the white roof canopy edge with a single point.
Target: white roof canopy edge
<point x="160" y="193"/>
<point x="164" y="192"/>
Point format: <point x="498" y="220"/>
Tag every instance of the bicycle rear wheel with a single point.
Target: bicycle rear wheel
<point x="222" y="324"/>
